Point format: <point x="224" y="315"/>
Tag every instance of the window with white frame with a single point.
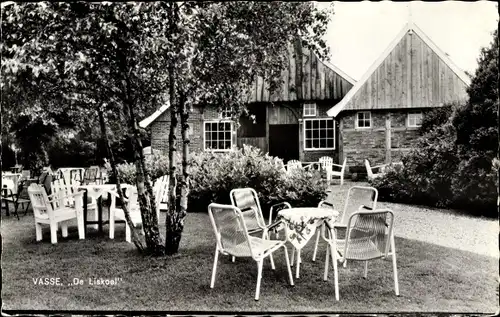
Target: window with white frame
<point x="414" y="119"/>
<point x="364" y="120"/>
<point x="319" y="134"/>
<point x="218" y="135"/>
<point x="309" y="109"/>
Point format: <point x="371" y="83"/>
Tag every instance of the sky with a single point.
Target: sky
<point x="360" y="31"/>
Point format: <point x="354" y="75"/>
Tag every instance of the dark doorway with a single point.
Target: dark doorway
<point x="284" y="141"/>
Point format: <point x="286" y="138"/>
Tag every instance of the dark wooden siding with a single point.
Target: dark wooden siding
<point x="306" y="78"/>
<point x="412" y="76"/>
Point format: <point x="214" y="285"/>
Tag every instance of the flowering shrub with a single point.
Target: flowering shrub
<point x="214" y="175"/>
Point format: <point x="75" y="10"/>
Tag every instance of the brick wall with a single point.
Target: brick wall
<point x="361" y="144"/>
<point x="160" y="130"/>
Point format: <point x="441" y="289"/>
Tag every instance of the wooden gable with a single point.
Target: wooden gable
<point x="412" y="73"/>
<point x="306" y="78"/>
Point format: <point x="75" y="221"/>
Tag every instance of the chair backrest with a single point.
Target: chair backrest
<point x="368" y="234"/>
<point x="293" y="165"/>
<point x="369" y="171"/>
<point x="160" y="189"/>
<point x="61" y="189"/>
<point x="42" y="208"/>
<point x="91" y="175"/>
<point x="359" y="197"/>
<point x="247" y="200"/>
<point x="76" y="175"/>
<point x="326" y="162"/>
<point x="230" y="229"/>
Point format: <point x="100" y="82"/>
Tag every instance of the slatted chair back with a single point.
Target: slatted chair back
<point x="91" y="175"/>
<point x="160" y="189"/>
<point x="326" y="163"/>
<point x="42" y="208"/>
<point x="60" y="190"/>
<point x="247" y="200"/>
<point x="76" y="175"/>
<point x="230" y="230"/>
<point x="368" y="235"/>
<point x="293" y="165"/>
<point x="358" y="197"/>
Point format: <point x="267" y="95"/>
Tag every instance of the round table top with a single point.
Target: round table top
<point x="316" y="212"/>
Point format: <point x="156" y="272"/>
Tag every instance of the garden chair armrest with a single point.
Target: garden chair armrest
<point x="273" y="207"/>
<point x="338" y="165"/>
<point x="76" y="195"/>
<point x="315" y="165"/>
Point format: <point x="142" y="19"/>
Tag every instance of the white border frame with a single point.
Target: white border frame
<point x="356" y="120"/>
<point x="304" y="134"/>
<point x="205" y="138"/>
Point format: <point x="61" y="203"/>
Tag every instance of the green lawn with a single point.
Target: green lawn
<point x="433" y="277"/>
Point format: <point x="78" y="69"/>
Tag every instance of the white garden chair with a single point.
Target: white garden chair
<point x="232" y="238"/>
<point x="370" y="236"/>
<point x="370" y="170"/>
<point x="247" y="200"/>
<point x="358" y="198"/>
<point x="293" y="165"/>
<point x="160" y="189"/>
<point x="341" y="172"/>
<point x="49" y="210"/>
<point x="326" y="164"/>
<point x="117" y="213"/>
<point x="62" y="192"/>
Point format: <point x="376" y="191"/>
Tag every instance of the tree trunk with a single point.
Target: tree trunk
<point x="135" y="237"/>
<point x="147" y="204"/>
<point x="172" y="238"/>
<point x="176" y="224"/>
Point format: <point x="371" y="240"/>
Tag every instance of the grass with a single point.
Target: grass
<point x="433" y="277"/>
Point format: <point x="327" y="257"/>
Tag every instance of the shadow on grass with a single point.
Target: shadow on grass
<point x="432" y="278"/>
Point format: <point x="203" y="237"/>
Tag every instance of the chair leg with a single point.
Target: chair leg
<point x="293" y="256"/>
<point x="26" y="210"/>
<point x="127" y="233"/>
<point x="316" y="245"/>
<point x="214" y="269"/>
<point x="325" y="276"/>
<point x="112" y="225"/>
<point x="335" y="270"/>
<point x="366" y="269"/>
<point x="342" y="180"/>
<point x="53" y="233"/>
<point x="290" y="275"/>
<point x="259" y="278"/>
<point x="233" y="259"/>
<point x="96" y="218"/>
<point x="64" y="227"/>
<point x="266" y="236"/>
<point x="16" y="205"/>
<point x="394" y="266"/>
<point x="38" y="230"/>
<point x="81" y="227"/>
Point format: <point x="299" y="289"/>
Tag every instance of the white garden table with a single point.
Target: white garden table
<point x="96" y="191"/>
<point x="301" y="224"/>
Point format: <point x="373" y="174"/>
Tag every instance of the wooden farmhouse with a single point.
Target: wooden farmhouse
<point x="320" y="111"/>
<point x="380" y="116"/>
<point x="290" y="124"/>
